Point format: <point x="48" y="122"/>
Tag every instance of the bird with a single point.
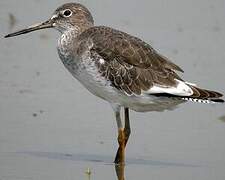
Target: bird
<point x="119" y="68"/>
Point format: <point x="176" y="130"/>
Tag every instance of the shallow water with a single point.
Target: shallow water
<point x="52" y="128"/>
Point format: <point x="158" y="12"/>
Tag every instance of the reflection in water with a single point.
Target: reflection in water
<point x="120" y="171"/>
<point x="103" y="159"/>
<point x="88" y="173"/>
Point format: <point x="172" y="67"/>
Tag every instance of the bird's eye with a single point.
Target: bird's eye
<point x="67" y="13"/>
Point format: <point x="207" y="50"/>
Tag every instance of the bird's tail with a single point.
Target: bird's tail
<point x="204" y="96"/>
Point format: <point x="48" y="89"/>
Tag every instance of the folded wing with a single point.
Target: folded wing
<point x="135" y="68"/>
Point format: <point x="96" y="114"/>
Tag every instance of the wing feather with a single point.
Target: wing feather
<point x="134" y="67"/>
<point x="130" y="64"/>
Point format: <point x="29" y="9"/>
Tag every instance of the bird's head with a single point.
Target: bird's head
<point x="68" y="16"/>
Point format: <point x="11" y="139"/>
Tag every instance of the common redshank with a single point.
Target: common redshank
<point x="119" y="68"/>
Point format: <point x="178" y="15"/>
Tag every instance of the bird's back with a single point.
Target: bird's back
<point x="134" y="67"/>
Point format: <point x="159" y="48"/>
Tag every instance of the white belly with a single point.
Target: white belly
<point x="85" y="71"/>
<point x="88" y="75"/>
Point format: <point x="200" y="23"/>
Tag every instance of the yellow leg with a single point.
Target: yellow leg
<point x="123" y="136"/>
<point x="120" y="168"/>
<point x="120" y="155"/>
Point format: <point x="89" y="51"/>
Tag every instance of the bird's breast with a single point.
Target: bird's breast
<point x="65" y="43"/>
<point x="83" y="68"/>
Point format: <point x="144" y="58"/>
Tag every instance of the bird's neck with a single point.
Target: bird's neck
<point x="68" y="37"/>
<point x="81" y="27"/>
<point x="65" y="42"/>
<point x="75" y="30"/>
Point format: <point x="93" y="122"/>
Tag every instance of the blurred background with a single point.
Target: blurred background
<point x="53" y="128"/>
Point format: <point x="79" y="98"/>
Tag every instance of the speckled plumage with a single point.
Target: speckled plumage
<point x="119" y="68"/>
<point x="130" y="64"/>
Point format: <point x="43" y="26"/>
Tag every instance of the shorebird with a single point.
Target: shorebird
<point x="119" y="68"/>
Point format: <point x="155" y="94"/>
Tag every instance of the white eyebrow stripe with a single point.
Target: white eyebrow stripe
<point x="54" y="16"/>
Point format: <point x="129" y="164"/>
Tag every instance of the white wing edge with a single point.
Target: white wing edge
<point x="182" y="89"/>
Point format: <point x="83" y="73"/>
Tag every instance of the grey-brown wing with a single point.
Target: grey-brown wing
<point x="130" y="64"/>
<point x="128" y="78"/>
<point x="110" y="43"/>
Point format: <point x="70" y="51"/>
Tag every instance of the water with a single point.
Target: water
<point x="52" y="128"/>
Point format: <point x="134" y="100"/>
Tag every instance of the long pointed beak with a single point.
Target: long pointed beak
<point x="35" y="27"/>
